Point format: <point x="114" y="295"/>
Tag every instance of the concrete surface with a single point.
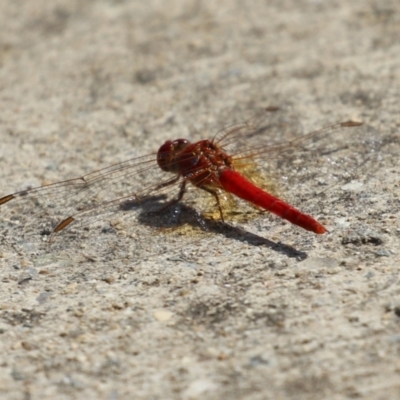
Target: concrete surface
<point x="179" y="306"/>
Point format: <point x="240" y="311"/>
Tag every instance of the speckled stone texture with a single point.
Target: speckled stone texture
<point x="250" y="309"/>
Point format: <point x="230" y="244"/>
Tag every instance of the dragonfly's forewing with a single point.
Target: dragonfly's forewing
<point x="38" y="211"/>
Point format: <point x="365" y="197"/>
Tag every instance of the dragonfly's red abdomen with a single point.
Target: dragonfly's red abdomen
<point x="235" y="183"/>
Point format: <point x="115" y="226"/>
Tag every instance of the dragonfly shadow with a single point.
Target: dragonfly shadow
<point x="176" y="216"/>
<point x="252" y="239"/>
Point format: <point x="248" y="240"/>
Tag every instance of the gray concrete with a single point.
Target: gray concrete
<point x="176" y="306"/>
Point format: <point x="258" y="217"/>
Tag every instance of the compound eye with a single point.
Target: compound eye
<point x="164" y="155"/>
<point x="180" y="144"/>
<point x="167" y="154"/>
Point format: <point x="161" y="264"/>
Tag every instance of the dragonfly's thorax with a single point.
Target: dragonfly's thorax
<point x="201" y="162"/>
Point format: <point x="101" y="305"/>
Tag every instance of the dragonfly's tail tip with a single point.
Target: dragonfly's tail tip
<point x="320" y="230"/>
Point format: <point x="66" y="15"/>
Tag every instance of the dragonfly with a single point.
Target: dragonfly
<point x="219" y="167"/>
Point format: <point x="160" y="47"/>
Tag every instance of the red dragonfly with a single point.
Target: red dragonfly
<point x="218" y="166"/>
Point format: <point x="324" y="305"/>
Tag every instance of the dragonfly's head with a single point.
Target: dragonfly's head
<point x="168" y="152"/>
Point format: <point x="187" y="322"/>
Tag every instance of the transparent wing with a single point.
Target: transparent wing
<point x="135" y="182"/>
<point x="329" y="156"/>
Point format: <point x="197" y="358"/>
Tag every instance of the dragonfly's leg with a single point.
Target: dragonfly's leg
<point x="215" y="194"/>
<point x="181" y="193"/>
<point x="168" y="183"/>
